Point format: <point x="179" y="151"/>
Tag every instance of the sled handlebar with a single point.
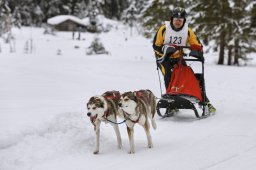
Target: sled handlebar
<point x="195" y="58"/>
<point x="165" y="56"/>
<point x="182" y="47"/>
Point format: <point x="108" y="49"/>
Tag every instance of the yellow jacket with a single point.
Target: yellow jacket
<point x="159" y="41"/>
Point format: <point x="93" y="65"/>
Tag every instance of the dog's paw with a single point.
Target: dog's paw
<point x="95" y="152"/>
<point x="150" y="145"/>
<point x="131" y="152"/>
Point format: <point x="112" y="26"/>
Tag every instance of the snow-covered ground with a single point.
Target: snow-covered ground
<point x="43" y="95"/>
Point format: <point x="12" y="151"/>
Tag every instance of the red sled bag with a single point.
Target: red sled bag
<point x="183" y="81"/>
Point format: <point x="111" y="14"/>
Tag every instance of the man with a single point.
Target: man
<point x="172" y="34"/>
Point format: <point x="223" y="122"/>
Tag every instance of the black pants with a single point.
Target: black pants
<point x="168" y="68"/>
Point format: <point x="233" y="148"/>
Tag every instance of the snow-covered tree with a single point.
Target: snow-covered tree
<point x="253" y="15"/>
<point x="96" y="47"/>
<point x="240" y="24"/>
<point x="5" y="17"/>
<point x="17" y="20"/>
<point x="37" y="16"/>
<point x="134" y="12"/>
<point x="252" y="10"/>
<point x="227" y="23"/>
<point x="82" y="10"/>
<point x="53" y="8"/>
<point x="212" y="20"/>
<point x="113" y="9"/>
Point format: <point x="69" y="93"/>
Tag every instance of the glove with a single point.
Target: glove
<point x="168" y="49"/>
<point x="197" y="54"/>
<point x="196" y="47"/>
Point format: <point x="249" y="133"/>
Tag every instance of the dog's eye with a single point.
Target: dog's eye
<point x="126" y="100"/>
<point x="94" y="108"/>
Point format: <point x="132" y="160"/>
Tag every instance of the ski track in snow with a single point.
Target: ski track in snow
<point x="67" y="134"/>
<point x="232" y="157"/>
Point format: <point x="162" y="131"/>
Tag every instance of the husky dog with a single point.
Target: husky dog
<point x="104" y="108"/>
<point x="137" y="107"/>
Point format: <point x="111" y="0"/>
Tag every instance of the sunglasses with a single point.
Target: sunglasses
<point x="178" y="19"/>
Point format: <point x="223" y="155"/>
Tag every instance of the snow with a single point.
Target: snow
<point x="43" y="99"/>
<point x="85" y="21"/>
<point x="250" y="6"/>
<point x="61" y="18"/>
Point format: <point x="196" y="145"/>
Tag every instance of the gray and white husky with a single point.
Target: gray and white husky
<point x="138" y="107"/>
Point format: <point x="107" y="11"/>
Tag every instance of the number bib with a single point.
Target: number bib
<point x="178" y="38"/>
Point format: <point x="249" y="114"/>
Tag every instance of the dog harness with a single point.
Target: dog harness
<point x="113" y="95"/>
<point x="127" y="116"/>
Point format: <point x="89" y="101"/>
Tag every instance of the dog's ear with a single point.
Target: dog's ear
<point x="90" y="101"/>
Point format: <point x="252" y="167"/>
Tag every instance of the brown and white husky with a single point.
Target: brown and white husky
<point x="138" y="107"/>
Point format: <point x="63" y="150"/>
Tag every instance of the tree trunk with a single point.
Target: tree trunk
<point x="236" y="55"/>
<point x="230" y="55"/>
<point x="222" y="48"/>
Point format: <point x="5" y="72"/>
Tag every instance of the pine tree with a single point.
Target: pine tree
<point x="17" y="20"/>
<point x="228" y="24"/>
<point x="253" y="16"/>
<point x="37" y="16"/>
<point x="25" y="10"/>
<point x="5" y="17"/>
<point x="114" y="8"/>
<point x="239" y="37"/>
<point x="212" y="21"/>
<point x="82" y="10"/>
<point x="53" y="8"/>
<point x="239" y="32"/>
<point x="252" y="33"/>
<point x="154" y="16"/>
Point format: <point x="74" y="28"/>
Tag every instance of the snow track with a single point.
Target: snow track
<point x="67" y="134"/>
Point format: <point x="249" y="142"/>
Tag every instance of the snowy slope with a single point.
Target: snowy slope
<point x="43" y="99"/>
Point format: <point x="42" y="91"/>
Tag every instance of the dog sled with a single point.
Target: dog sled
<point x="184" y="93"/>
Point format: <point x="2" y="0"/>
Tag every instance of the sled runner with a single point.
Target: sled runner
<point x="186" y="89"/>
